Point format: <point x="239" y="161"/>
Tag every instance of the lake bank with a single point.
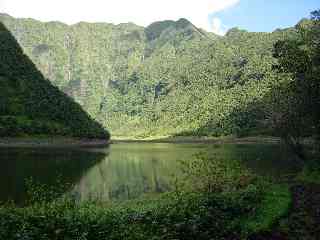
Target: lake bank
<point x="193" y="139"/>
<point x="66" y="142"/>
<point x="51" y="142"/>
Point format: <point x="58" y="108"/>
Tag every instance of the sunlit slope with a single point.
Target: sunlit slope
<point x="170" y="78"/>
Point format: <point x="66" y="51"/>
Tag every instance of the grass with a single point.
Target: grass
<point x="310" y="172"/>
<point x="274" y="205"/>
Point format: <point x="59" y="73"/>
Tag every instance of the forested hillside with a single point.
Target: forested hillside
<point x="30" y="105"/>
<point x="169" y="78"/>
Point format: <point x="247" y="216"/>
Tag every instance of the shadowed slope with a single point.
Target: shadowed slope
<point x="31" y="105"/>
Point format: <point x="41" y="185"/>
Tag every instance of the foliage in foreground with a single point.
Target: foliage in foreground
<point x="194" y="216"/>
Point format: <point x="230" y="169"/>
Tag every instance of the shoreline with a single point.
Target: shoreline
<point x="204" y="140"/>
<point x="67" y="142"/>
<point x="50" y="142"/>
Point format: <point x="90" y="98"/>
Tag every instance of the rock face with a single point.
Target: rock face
<point x="30" y="104"/>
<point x="168" y="78"/>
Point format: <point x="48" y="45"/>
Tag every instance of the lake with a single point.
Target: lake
<point x="124" y="170"/>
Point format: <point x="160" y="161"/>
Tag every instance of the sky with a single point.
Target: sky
<point x="212" y="15"/>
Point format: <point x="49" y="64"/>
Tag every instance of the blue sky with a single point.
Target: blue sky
<point x="264" y="15"/>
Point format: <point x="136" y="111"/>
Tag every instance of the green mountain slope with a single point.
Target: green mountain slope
<point x="169" y="78"/>
<point x="31" y="105"/>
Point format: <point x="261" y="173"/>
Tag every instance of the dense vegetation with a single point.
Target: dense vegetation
<point x="31" y="105"/>
<point x="170" y="78"/>
<point x="295" y="99"/>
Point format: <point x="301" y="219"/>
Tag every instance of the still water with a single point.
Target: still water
<point x="125" y="170"/>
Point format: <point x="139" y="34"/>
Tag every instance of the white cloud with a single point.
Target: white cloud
<point x="141" y="12"/>
<point x="217" y="26"/>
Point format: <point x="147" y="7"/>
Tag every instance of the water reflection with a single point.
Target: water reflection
<point x="123" y="171"/>
<point x="132" y="170"/>
<point x="125" y="178"/>
<point x="43" y="166"/>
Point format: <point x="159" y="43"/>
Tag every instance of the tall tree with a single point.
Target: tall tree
<point x="296" y="100"/>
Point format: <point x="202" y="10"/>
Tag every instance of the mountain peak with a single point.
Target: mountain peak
<point x="183" y="22"/>
<point x="154" y="30"/>
<point x="235" y="32"/>
<point x="4" y="15"/>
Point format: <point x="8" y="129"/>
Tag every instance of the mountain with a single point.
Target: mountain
<point x="30" y="105"/>
<point x="170" y="78"/>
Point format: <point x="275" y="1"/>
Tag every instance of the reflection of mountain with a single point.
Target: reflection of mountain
<point x="127" y="174"/>
<point x="125" y="177"/>
<point x="43" y="166"/>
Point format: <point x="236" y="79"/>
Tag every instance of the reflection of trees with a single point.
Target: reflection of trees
<point x="126" y="176"/>
<point x="44" y="166"/>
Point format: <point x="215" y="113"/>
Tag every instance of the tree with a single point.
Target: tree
<point x="296" y="100"/>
